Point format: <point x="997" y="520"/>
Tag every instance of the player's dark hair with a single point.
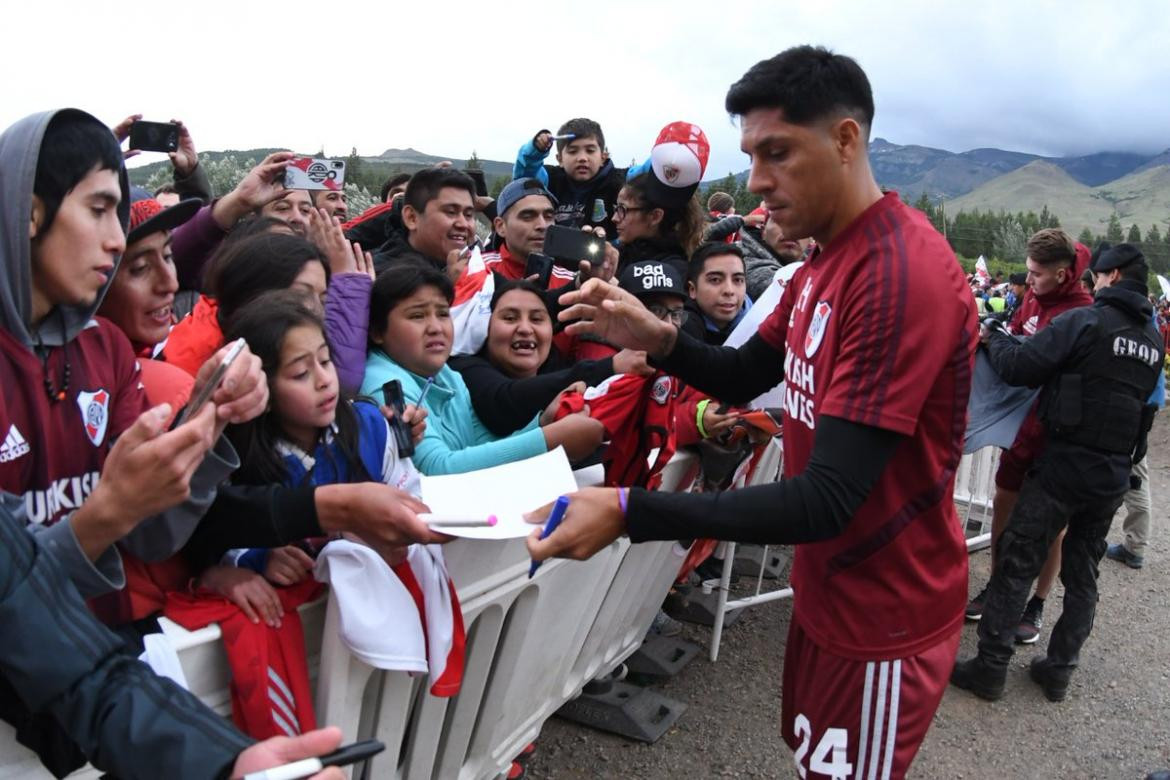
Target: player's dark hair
<point x="707" y="251"/>
<point x="808" y="84"/>
<point x="265" y="325"/>
<point x="242" y="270"/>
<point x="409" y="273"/>
<point x="73" y="145"/>
<point x="425" y="186"/>
<point x="581" y="128"/>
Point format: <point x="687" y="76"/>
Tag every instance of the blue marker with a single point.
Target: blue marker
<point x="554" y="519"/>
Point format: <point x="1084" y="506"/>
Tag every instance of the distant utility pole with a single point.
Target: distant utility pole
<point x="942" y="210"/>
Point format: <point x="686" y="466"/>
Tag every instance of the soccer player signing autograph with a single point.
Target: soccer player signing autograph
<point x="875" y="337"/>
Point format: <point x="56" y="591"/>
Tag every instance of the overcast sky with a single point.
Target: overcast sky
<point x="1059" y="78"/>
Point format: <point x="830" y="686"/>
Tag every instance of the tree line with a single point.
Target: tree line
<point x="1000" y="235"/>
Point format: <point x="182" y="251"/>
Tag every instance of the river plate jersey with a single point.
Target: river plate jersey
<point x="879" y="328"/>
<point x="63" y="443"/>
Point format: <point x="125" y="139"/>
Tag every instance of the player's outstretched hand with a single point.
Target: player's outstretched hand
<point x="593" y="521"/>
<point x="610" y="313"/>
<point x="278" y="751"/>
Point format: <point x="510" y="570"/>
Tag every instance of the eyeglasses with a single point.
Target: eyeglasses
<point x="675" y="316"/>
<point x="620" y="211"/>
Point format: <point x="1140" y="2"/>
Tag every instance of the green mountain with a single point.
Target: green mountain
<point x="1142" y="197"/>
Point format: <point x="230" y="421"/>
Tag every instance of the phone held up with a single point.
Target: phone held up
<point x="314" y="173"/>
<point x="154" y="136"/>
<point x="569" y="246"/>
<point x="392" y="391"/>
<point x="540" y="266"/>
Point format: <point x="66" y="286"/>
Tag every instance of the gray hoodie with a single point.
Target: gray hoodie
<point x="157" y="537"/>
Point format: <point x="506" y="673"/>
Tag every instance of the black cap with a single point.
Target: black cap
<point x="1018" y="278"/>
<point x="1116" y="257"/>
<point x="651" y="277"/>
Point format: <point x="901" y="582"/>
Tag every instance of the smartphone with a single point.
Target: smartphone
<point x="569" y="246"/>
<point x="213" y="384"/>
<point x="154" y="136"/>
<point x="314" y="173"/>
<point x="392" y="391"/>
<point x="541" y="266"/>
<point x="480" y="182"/>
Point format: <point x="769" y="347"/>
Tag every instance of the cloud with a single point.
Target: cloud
<point x="1051" y="78"/>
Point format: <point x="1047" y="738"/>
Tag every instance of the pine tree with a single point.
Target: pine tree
<point x="1086" y="238"/>
<point x="1113" y="233"/>
<point x="473" y="162"/>
<point x="1135" y="235"/>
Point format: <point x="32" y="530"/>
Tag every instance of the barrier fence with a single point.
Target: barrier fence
<point x="531" y="646"/>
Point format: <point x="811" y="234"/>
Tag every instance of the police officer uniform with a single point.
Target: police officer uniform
<point x="1097" y="365"/>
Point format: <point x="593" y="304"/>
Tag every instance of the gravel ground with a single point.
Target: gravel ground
<point x="1114" y="724"/>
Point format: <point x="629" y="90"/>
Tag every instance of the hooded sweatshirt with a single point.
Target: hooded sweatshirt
<point x="53" y="450"/>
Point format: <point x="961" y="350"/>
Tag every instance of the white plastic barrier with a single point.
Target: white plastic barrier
<point x="531" y="646"/>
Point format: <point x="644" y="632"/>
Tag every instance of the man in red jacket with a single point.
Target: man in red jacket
<point x="1055" y="264"/>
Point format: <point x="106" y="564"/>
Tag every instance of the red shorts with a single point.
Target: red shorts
<point x="848" y="718"/>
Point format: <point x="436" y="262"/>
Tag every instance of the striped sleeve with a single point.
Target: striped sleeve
<point x="901" y="326"/>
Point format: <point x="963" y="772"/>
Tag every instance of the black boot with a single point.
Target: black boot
<point x="979" y="677"/>
<point x="1053" y="680"/>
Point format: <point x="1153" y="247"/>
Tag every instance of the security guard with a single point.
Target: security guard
<point x="1098" y="365"/>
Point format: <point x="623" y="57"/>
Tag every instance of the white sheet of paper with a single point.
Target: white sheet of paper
<point x="506" y="491"/>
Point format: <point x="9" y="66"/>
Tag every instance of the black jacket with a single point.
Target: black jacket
<point x="1067" y="345"/>
<point x="576" y="200"/>
<point x="59" y="660"/>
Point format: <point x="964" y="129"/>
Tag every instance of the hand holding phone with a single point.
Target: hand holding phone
<point x="569" y="246"/>
<point x="312" y="173"/>
<point x="213" y="383"/>
<point x="540" y="266"/>
<point x="392" y="391"/>
<point x="154" y="136"/>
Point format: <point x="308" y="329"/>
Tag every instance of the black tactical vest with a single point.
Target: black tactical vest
<point x="1099" y="400"/>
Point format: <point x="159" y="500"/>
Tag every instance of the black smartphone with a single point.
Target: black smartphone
<point x="569" y="246"/>
<point x="154" y="136"/>
<point x="480" y="182"/>
<point x="541" y="266"/>
<point x="392" y="391"/>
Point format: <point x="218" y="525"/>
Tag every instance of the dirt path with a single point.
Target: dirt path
<point x="1115" y="723"/>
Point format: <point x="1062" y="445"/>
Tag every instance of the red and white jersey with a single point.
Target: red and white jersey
<point x="509" y="266"/>
<point x="53" y="451"/>
<point x="879" y="328"/>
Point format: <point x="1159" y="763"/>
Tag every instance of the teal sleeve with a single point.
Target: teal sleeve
<point x="530" y="162"/>
<point x="434" y="456"/>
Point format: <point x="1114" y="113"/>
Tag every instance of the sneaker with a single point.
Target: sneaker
<point x="665" y="625"/>
<point x="1053" y="681"/>
<point x="1120" y="553"/>
<point x="977" y="676"/>
<point x="1030" y="624"/>
<point x="975" y="608"/>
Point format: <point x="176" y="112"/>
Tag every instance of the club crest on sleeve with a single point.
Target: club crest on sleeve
<point x="95" y="414"/>
<point x="816" y="328"/>
<point x="660" y="392"/>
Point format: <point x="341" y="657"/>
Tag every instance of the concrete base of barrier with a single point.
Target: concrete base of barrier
<point x="750" y="559"/>
<point x="695" y="606"/>
<point x="625" y="710"/>
<point x="661" y="657"/>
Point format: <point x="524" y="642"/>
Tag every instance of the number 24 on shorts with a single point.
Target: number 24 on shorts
<point x="828" y="757"/>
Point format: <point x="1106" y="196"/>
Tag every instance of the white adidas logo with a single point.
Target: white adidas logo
<point x="14" y="446"/>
